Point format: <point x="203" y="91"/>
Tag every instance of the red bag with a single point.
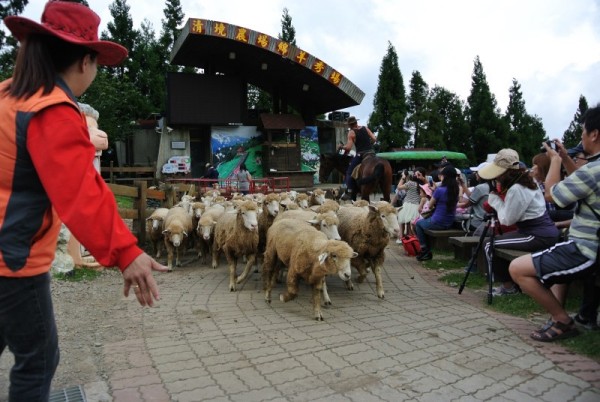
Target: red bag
<point x="411" y="245"/>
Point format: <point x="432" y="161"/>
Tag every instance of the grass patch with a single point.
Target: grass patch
<point x="455" y="279"/>
<point x="587" y="343"/>
<point x="124" y="202"/>
<point x="79" y="275"/>
<point x="444" y="264"/>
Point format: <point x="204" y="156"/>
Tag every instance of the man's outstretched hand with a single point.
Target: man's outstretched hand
<point x="138" y="275"/>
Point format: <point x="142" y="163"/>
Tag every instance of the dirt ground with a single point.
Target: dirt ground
<point x="83" y="315"/>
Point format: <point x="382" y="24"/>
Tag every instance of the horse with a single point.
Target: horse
<point x="373" y="171"/>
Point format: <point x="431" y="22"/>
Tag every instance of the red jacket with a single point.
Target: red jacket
<point x="46" y="172"/>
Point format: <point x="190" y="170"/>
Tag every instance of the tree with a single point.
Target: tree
<point x="417" y="105"/>
<point x="8" y="44"/>
<point x="484" y="122"/>
<point x="288" y="33"/>
<point x="525" y="132"/>
<point x="389" y="104"/>
<point x="572" y="135"/>
<point x="120" y="30"/>
<point x="173" y="19"/>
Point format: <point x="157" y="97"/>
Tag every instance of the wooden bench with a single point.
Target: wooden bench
<point x="509" y="255"/>
<point x="438" y="239"/>
<point x="463" y="249"/>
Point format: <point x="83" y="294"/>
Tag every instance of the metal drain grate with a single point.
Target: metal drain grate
<point x="71" y="394"/>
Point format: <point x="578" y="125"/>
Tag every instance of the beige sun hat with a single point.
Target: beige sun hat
<point x="505" y="159"/>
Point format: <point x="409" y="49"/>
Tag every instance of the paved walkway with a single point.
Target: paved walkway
<point x="423" y="342"/>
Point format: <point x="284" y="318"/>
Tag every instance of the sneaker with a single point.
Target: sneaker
<point x="502" y="291"/>
<point x="347" y="196"/>
<point x="425" y="256"/>
<point x="590" y="325"/>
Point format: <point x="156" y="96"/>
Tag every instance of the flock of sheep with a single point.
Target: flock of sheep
<point x="307" y="234"/>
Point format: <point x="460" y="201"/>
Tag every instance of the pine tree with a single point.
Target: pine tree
<point x="8" y="44"/>
<point x="417" y="105"/>
<point x="120" y="30"/>
<point x="572" y="135"/>
<point x="288" y="33"/>
<point x="169" y="33"/>
<point x="525" y="132"/>
<point x="389" y="104"/>
<point x="483" y="118"/>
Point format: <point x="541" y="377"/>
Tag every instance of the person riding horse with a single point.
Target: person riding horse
<point x="362" y="139"/>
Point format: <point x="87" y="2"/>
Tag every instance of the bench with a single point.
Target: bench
<point x="438" y="239"/>
<point x="509" y="255"/>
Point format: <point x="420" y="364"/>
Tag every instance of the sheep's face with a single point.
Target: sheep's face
<point x="390" y="222"/>
<point x="198" y="210"/>
<point x="156" y="224"/>
<point x="206" y="230"/>
<point x="175" y="238"/>
<point x="273" y="207"/>
<point x="337" y="259"/>
<point x="250" y="218"/>
<point x="319" y="197"/>
<point x="302" y="202"/>
<point x="328" y="225"/>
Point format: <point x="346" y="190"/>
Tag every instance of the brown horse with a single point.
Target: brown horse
<point x="373" y="171"/>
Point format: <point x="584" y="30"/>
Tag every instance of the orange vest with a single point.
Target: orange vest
<point x="29" y="225"/>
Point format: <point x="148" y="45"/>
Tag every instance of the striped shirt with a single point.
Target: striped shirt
<point x="582" y="184"/>
<point x="412" y="193"/>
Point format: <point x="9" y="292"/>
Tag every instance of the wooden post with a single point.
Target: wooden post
<point x="139" y="223"/>
<point x="110" y="173"/>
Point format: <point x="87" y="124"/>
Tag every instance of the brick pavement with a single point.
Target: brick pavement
<point x="423" y="342"/>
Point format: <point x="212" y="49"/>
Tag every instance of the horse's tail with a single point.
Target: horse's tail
<point x="378" y="173"/>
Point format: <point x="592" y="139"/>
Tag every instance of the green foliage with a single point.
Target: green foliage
<point x="8" y="44"/>
<point x="572" y="135"/>
<point x="173" y="18"/>
<point x="389" y="105"/>
<point x="79" y="275"/>
<point x="525" y="133"/>
<point x="288" y="33"/>
<point x="482" y="116"/>
<point x="417" y="106"/>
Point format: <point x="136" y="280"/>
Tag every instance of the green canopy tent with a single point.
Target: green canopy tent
<point x="422" y="155"/>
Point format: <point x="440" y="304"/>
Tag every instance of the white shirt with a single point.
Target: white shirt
<point x="520" y="204"/>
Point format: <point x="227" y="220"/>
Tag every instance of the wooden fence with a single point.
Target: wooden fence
<point x="140" y="193"/>
<point x="146" y="173"/>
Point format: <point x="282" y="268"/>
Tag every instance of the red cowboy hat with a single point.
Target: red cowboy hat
<point x="73" y="23"/>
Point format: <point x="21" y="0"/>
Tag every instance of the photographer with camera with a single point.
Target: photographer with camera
<point x="517" y="200"/>
<point x="576" y="257"/>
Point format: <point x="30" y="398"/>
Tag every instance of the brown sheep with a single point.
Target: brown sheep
<point x="154" y="228"/>
<point x="177" y="227"/>
<point x="308" y="254"/>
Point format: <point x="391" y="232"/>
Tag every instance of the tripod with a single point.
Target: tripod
<point x="491" y="220"/>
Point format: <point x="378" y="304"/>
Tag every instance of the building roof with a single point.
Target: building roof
<point x="304" y="81"/>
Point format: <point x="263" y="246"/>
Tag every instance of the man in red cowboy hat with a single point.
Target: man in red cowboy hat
<point x="48" y="177"/>
<point x="362" y="139"/>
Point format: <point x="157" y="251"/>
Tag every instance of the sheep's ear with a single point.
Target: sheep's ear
<point x="149" y="218"/>
<point x="313" y="221"/>
<point x="372" y="208"/>
<point x="165" y="232"/>
<point x="314" y="208"/>
<point x="354" y="254"/>
<point x="323" y="257"/>
<point x="185" y="233"/>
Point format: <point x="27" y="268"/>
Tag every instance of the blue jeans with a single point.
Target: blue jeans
<point x="350" y="182"/>
<point x="422" y="226"/>
<point x="28" y="328"/>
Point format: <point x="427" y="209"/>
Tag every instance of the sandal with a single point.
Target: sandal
<point x="551" y="334"/>
<point x="547" y="325"/>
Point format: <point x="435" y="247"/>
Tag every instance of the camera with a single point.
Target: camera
<point x="551" y="144"/>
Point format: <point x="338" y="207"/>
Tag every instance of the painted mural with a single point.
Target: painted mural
<point x="232" y="146"/>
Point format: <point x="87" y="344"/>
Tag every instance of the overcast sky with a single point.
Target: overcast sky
<point x="552" y="47"/>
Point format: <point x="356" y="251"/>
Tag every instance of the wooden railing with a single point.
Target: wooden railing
<point x="146" y="173"/>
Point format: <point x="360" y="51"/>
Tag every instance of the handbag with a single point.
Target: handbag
<point x="411" y="245"/>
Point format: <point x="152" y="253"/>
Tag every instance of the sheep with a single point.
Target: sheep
<point x="205" y="229"/>
<point x="302" y="200"/>
<point x="154" y="228"/>
<point x="328" y="205"/>
<point x="327" y="222"/>
<point x="308" y="254"/>
<point x="317" y="197"/>
<point x="333" y="193"/>
<point x="236" y="234"/>
<point x="177" y="227"/>
<point x="368" y="233"/>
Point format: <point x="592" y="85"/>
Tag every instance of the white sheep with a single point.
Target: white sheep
<point x="236" y="234"/>
<point x="205" y="229"/>
<point x="154" y="228"/>
<point x="308" y="254"/>
<point x="328" y="205"/>
<point x="368" y="233"/>
<point x="302" y="200"/>
<point x="327" y="222"/>
<point x="317" y="197"/>
<point x="177" y="227"/>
